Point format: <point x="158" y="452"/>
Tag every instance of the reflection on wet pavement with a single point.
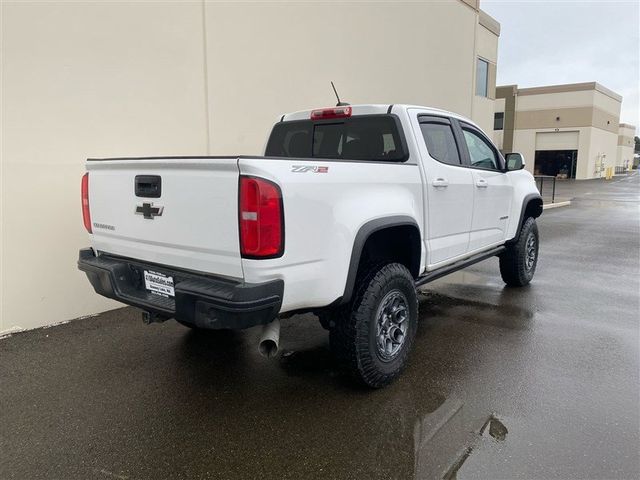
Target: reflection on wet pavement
<point x="501" y="314"/>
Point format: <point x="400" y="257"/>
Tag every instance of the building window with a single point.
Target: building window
<point x="482" y="77"/>
<point x="498" y="121"/>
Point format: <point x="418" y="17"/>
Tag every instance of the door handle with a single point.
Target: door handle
<point x="440" y="183"/>
<point x="482" y="183"/>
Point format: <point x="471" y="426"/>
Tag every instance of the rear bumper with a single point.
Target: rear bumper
<point x="203" y="300"/>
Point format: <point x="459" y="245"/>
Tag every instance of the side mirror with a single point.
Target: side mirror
<point x="515" y="161"/>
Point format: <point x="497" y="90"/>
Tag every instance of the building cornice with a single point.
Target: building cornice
<point x="570" y="87"/>
<point x="489" y="22"/>
<point x="475" y="4"/>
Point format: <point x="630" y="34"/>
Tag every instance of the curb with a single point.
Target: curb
<point x="556" y="205"/>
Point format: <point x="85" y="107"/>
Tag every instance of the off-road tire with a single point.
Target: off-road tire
<point x="516" y="266"/>
<point x="353" y="337"/>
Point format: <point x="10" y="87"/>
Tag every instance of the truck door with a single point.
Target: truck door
<point x="448" y="189"/>
<point x="492" y="190"/>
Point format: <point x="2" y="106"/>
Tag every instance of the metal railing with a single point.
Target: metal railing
<point x="620" y="170"/>
<point x="547" y="187"/>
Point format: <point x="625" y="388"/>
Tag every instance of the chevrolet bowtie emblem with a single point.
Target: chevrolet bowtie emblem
<point x="147" y="210"/>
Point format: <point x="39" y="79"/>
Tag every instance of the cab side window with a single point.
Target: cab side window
<point x="481" y="154"/>
<point x="440" y="141"/>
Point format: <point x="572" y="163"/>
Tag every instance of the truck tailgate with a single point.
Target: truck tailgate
<point x="192" y="224"/>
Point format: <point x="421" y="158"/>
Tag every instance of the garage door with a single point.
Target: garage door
<point x="557" y="141"/>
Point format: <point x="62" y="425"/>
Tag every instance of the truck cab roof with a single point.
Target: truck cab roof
<point x="374" y="109"/>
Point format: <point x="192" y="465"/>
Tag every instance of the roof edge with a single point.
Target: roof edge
<point x="475" y="4"/>
<point x="488" y="22"/>
<point x="570" y="87"/>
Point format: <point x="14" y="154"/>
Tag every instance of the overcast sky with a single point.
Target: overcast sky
<point x="554" y="42"/>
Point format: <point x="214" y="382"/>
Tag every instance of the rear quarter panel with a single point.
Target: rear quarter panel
<point x="323" y="212"/>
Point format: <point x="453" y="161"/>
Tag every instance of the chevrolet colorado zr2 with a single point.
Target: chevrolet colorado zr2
<point x="348" y="212"/>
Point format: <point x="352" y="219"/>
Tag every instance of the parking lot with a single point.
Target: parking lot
<point x="539" y="382"/>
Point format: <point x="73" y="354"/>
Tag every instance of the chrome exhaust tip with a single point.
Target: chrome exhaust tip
<point x="270" y="339"/>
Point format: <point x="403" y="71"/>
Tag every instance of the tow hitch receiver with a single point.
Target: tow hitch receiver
<point x="150" y="317"/>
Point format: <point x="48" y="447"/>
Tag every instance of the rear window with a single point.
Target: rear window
<point x="366" y="137"/>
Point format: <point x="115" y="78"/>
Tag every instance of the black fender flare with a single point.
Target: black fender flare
<point x="532" y="197"/>
<point x="360" y="240"/>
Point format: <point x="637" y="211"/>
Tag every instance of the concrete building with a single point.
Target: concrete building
<point x="570" y="130"/>
<point x="626" y="145"/>
<point x="100" y="79"/>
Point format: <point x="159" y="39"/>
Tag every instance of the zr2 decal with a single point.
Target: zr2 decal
<point x="309" y="168"/>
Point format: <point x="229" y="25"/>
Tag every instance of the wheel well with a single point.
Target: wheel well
<point x="398" y="244"/>
<point x="530" y="208"/>
<point x="383" y="240"/>
<point x="533" y="209"/>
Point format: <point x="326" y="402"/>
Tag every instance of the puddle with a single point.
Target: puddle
<point x="439" y="439"/>
<point x="452" y="473"/>
<point x="494" y="428"/>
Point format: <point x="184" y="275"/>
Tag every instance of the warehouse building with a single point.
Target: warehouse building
<point x="104" y="79"/>
<point x="570" y="131"/>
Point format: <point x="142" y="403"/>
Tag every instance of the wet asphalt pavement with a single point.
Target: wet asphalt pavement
<point x="539" y="382"/>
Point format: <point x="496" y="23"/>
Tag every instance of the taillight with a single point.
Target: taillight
<point x="335" y="112"/>
<point x="261" y="218"/>
<point x="86" y="215"/>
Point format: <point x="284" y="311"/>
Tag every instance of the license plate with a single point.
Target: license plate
<point x="158" y="283"/>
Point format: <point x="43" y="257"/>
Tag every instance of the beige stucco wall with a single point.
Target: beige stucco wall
<point x="117" y="79"/>
<point x="606" y="103"/>
<point x="483" y="113"/>
<point x="568" y="109"/>
<point x="626" y="145"/>
<point x="277" y="74"/>
<point x="486" y="44"/>
<point x="524" y="141"/>
<point x="498" y="105"/>
<point x="546" y="101"/>
<point x="83" y="80"/>
<point x="487" y="49"/>
<point x="498" y="137"/>
<point x="624" y="156"/>
<point x="601" y="142"/>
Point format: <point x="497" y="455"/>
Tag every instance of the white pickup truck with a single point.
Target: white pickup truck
<point x="350" y="209"/>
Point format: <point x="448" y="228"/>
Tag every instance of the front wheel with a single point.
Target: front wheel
<point x="374" y="336"/>
<point x="518" y="262"/>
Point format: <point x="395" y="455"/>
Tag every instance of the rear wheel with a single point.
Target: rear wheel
<point x="518" y="262"/>
<point x="374" y="335"/>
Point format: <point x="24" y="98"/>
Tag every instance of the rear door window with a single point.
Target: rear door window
<point x="440" y="141"/>
<point x="364" y="137"/>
